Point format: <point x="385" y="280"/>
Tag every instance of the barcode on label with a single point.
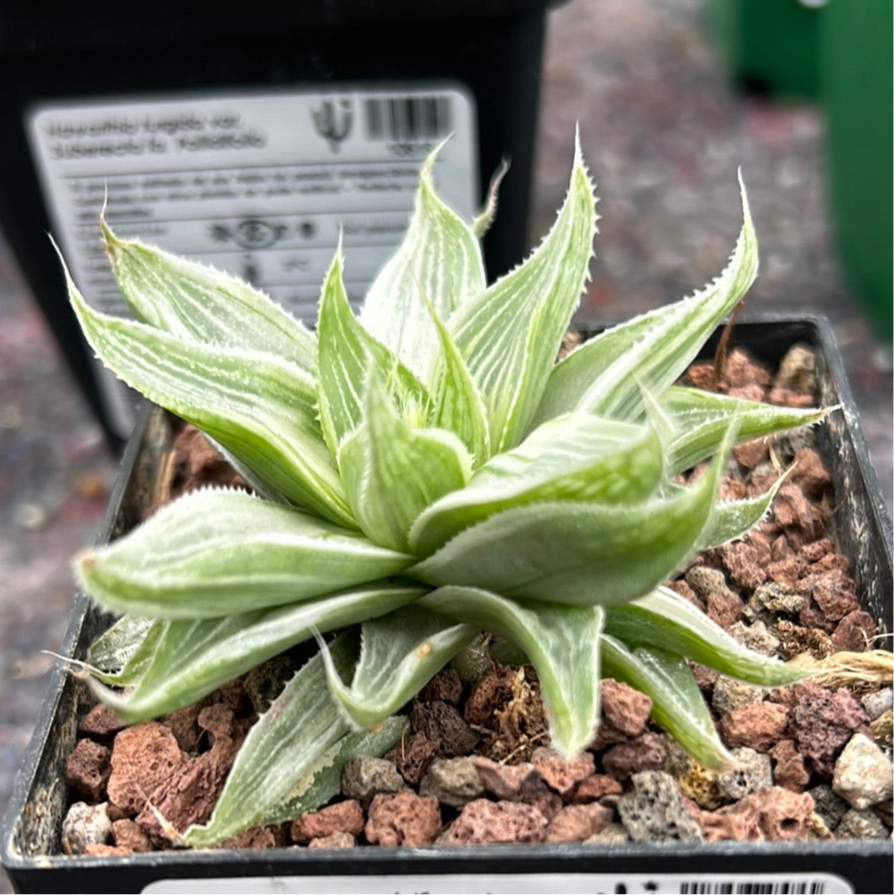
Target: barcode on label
<point x="408" y="119"/>
<point x="752" y="888"/>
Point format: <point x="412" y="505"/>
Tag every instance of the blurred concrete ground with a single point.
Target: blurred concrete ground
<point x="663" y="135"/>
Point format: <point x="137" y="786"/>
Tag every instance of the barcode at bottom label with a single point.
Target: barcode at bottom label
<point x="521" y="884"/>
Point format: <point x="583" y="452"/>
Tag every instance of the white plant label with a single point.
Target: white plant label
<point x="520" y="884"/>
<point x="257" y="184"/>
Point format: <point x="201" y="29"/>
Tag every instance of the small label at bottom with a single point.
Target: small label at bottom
<point x="521" y="884"/>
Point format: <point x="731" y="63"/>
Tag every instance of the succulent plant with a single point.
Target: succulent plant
<point x="420" y="473"/>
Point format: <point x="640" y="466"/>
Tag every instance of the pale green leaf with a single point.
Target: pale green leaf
<point x="702" y="418"/>
<point x="732" y="519"/>
<point x="577" y="457"/>
<point x="439" y="261"/>
<point x="346" y="353"/>
<point x="665" y="620"/>
<point x="399" y="655"/>
<point x="217" y="552"/>
<point x="677" y="703"/>
<point x="193" y="657"/>
<point x="260" y="408"/>
<point x="196" y="301"/>
<point x="296" y="740"/>
<point x="322" y="783"/>
<point x="562" y="643"/>
<point x="575" y="552"/>
<point x="511" y="334"/>
<point x="606" y="374"/>
<point x="123" y="650"/>
<point x="457" y="405"/>
<point x="391" y="472"/>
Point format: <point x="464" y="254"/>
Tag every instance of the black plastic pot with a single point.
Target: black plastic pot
<point x="55" y="55"/>
<point x="30" y="835"/>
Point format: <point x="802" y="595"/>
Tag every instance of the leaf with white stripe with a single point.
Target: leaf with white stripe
<point x="702" y="418"/>
<point x="561" y="642"/>
<point x="457" y="404"/>
<point x="577" y="457"/>
<point x="392" y="472"/>
<point x="196" y="301"/>
<point x="292" y="755"/>
<point x="346" y="353"/>
<point x="510" y="334"/>
<point x="576" y="552"/>
<point x="606" y="374"/>
<point x="216" y="552"/>
<point x="677" y="702"/>
<point x="439" y="261"/>
<point x="665" y="620"/>
<point x="193" y="657"/>
<point x="260" y="408"/>
<point x="399" y="654"/>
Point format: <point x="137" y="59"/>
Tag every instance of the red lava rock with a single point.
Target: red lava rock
<point x="143" y="756"/>
<point x="259" y="838"/>
<point x="786" y="571"/>
<point x="752" y="453"/>
<point x="491" y="692"/>
<point x="128" y="834"/>
<point x="191" y="792"/>
<point x="774" y="813"/>
<point x="701" y="375"/>
<point x="482" y="822"/>
<point x="625" y="712"/>
<point x="596" y="787"/>
<point x="742" y="563"/>
<point x="445" y="686"/>
<point x="505" y="781"/>
<point x="684" y="590"/>
<point x="758" y="726"/>
<point x="560" y="773"/>
<point x="100" y="723"/>
<point x="87" y="769"/>
<point x="787" y="398"/>
<point x="646" y="753"/>
<point x="784" y="815"/>
<point x="739" y="822"/>
<point x="810" y="472"/>
<point x="854" y="632"/>
<point x="833" y="592"/>
<point x="413" y="756"/>
<point x="184" y="724"/>
<point x="444" y="726"/>
<point x="403" y="819"/>
<point x="575" y="823"/>
<point x="536" y="793"/>
<point x="335" y="840"/>
<point x="741" y="370"/>
<point x="724" y="608"/>
<point x="822" y="722"/>
<point x="790" y="771"/>
<point x="342" y="817"/>
<point x="793" y="510"/>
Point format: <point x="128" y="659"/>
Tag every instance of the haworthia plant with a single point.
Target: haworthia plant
<point x="420" y="473"/>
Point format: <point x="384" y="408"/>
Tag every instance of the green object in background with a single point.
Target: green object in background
<point x="856" y="86"/>
<point x="770" y="45"/>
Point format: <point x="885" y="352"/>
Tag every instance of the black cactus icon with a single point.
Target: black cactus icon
<point x="333" y="122"/>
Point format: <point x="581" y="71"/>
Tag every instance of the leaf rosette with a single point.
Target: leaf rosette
<point x="420" y="472"/>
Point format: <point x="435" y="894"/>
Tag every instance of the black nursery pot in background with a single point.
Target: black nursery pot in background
<point x="246" y="135"/>
<point x="31" y="832"/>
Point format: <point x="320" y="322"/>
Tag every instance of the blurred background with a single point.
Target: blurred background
<point x="672" y="99"/>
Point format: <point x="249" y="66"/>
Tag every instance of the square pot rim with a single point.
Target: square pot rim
<point x="778" y="856"/>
